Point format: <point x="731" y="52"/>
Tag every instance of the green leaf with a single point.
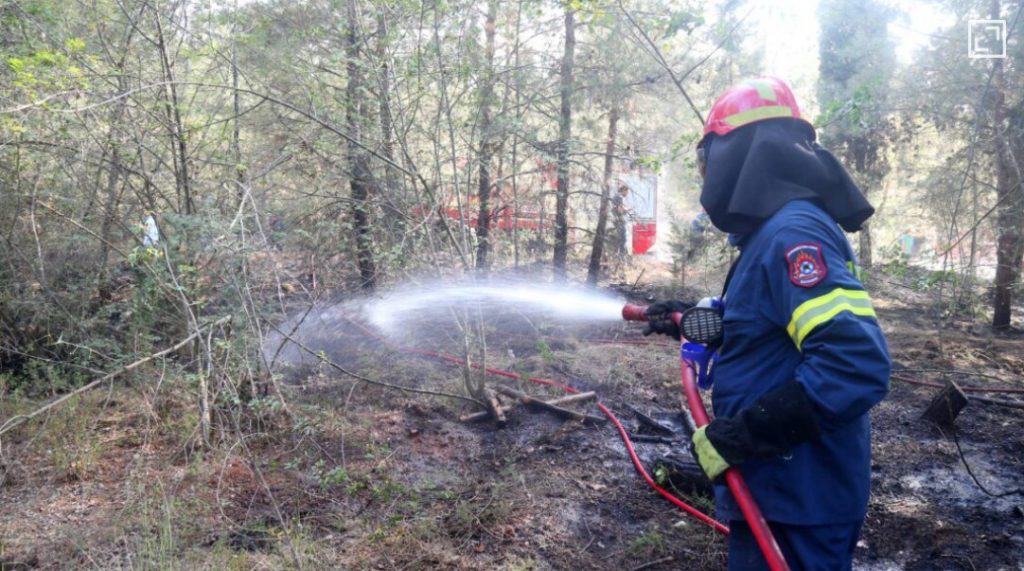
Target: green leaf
<point x="74" y="44"/>
<point x="16" y="64"/>
<point x="45" y="57"/>
<point x="685" y="21"/>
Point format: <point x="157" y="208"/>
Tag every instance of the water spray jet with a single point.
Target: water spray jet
<point x="435" y="301"/>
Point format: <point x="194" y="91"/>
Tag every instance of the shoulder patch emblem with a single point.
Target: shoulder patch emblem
<point x="806" y="265"/>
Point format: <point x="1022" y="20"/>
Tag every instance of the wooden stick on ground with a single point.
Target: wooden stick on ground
<point x="531" y="401"/>
<point x="494" y="409"/>
<point x="578" y="397"/>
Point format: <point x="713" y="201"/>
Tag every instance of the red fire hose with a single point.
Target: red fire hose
<point x="733" y="478"/>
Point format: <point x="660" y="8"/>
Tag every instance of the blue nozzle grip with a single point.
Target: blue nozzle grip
<point x="700" y="357"/>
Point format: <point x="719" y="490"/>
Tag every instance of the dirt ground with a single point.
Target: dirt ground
<point x="355" y="476"/>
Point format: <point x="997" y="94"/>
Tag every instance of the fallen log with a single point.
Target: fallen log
<point x="578" y="397"/>
<point x="999" y="402"/>
<point x="537" y="403"/>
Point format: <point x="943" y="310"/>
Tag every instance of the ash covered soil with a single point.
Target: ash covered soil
<point x="363" y="477"/>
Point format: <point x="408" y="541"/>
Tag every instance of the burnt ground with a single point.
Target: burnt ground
<point x="360" y="477"/>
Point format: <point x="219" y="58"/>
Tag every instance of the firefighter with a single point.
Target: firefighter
<point x="803" y="358"/>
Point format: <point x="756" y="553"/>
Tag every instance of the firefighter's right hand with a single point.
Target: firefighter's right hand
<point x="659" y="315"/>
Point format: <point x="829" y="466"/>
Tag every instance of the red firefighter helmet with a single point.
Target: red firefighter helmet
<point x="750" y="101"/>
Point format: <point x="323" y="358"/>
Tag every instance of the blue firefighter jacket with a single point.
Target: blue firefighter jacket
<point x="795" y="309"/>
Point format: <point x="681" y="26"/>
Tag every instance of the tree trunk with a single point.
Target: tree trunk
<point x="515" y="138"/>
<point x="445" y="109"/>
<point x="1010" y="196"/>
<point x="115" y="174"/>
<point x="597" y="251"/>
<point x="179" y="148"/>
<point x="392" y="177"/>
<point x="564" y="135"/>
<point x="865" y="245"/>
<point x="483" y="228"/>
<point x="359" y="164"/>
<point x="515" y="201"/>
<point x="236" y="105"/>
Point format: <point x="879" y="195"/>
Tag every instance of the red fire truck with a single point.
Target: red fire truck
<point x="637" y="198"/>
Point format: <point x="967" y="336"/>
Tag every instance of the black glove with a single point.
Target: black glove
<point x="774" y="424"/>
<point x="660" y="320"/>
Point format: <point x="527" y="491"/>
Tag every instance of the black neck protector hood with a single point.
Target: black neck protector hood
<point x="754" y="171"/>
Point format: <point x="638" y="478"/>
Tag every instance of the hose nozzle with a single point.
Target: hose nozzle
<point x="633" y="312"/>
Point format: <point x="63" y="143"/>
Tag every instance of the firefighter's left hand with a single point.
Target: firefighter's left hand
<point x="707" y="455"/>
<point x="772" y="425"/>
<point x="659" y="316"/>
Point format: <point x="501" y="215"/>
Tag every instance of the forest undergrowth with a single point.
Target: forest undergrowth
<point x="329" y="471"/>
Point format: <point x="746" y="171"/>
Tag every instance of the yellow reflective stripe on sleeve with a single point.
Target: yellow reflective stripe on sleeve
<point x="855" y="270"/>
<point x="814" y="312"/>
<point x="764" y="89"/>
<point x="757" y="114"/>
